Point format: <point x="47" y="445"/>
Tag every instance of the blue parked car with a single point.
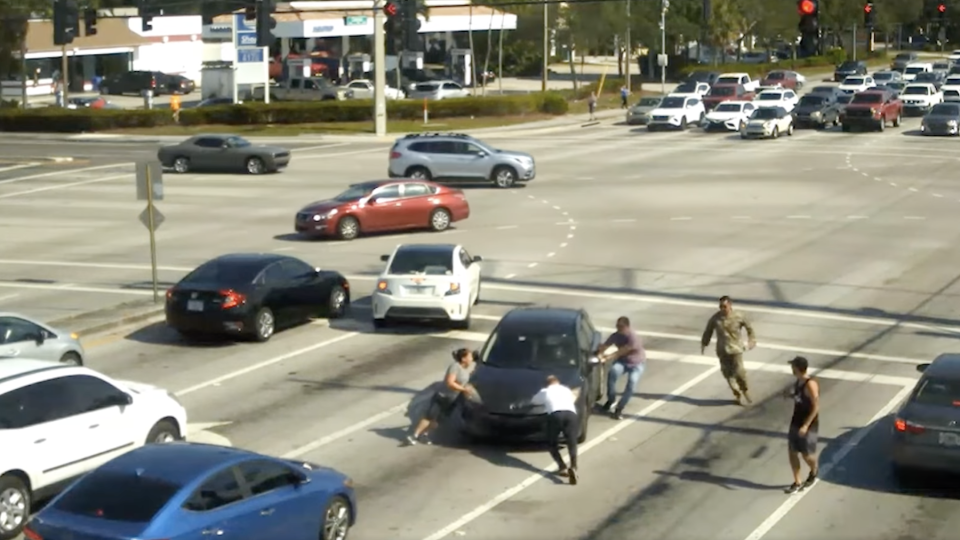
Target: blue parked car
<point x="185" y="491"/>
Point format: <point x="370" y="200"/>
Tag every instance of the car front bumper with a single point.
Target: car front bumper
<point x="939" y="129"/>
<point x="313" y="228"/>
<point x="478" y="423"/>
<point x="438" y="308"/>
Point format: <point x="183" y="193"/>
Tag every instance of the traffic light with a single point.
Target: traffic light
<point x="250" y="10"/>
<point x="941" y="12"/>
<point x="869" y="15"/>
<point x="89" y="22"/>
<point x="146" y="11"/>
<point x="391" y="10"/>
<point x="66" y="21"/>
<point x="266" y="23"/>
<point x="411" y="24"/>
<point x="809" y="26"/>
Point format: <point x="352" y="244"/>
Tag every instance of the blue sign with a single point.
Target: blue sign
<point x="246" y="40"/>
<point x="246" y="31"/>
<point x="249" y="56"/>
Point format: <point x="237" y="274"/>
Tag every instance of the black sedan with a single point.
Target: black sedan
<point x="943" y="119"/>
<point x="223" y="153"/>
<point x="526" y="346"/>
<point x="926" y="430"/>
<point x="252" y="295"/>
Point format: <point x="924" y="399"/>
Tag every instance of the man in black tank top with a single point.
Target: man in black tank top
<point x="804" y="425"/>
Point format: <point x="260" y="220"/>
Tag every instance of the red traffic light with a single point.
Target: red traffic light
<point x="942" y="8"/>
<point x="868" y="8"/>
<point x="390" y="9"/>
<point x="807" y="7"/>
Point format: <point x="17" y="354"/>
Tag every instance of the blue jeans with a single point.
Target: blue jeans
<point x="633" y="377"/>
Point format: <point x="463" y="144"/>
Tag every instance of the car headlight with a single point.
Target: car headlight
<point x="815" y="114"/>
<point x="383" y="288"/>
<point x="318" y="217"/>
<point x="952" y="123"/>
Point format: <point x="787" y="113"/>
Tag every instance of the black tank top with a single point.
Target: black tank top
<point x="802" y="405"/>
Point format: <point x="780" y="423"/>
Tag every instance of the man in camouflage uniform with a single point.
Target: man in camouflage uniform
<point x="728" y="325"/>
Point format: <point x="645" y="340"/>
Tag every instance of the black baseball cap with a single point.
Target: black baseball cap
<point x="800" y="363"/>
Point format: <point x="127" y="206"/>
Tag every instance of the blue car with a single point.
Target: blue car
<point x="184" y="491"/>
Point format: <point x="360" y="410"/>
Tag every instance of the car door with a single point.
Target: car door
<point x="104" y="416"/>
<point x="361" y="90"/>
<point x="205" y="153"/>
<point x="278" y="294"/>
<point x="791" y="98"/>
<point x="691" y="111"/>
<point x="304" y="294"/>
<point x="418" y="203"/>
<point x="472" y="268"/>
<point x="280" y="508"/>
<point x="24" y="339"/>
<point x="221" y="507"/>
<point x="296" y="91"/>
<point x="453" y="90"/>
<point x="593" y="373"/>
<point x="473" y="162"/>
<point x="385" y="209"/>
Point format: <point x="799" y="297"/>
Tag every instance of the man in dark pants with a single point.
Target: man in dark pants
<point x="562" y="419"/>
<point x="804" y="425"/>
<point x="729" y="325"/>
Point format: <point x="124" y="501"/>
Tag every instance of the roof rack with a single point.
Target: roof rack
<point x="437" y="134"/>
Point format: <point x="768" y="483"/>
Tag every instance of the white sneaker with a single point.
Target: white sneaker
<point x="411" y="440"/>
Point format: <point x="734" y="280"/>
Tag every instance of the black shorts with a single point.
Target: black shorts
<point x="440" y="407"/>
<point x="802" y="444"/>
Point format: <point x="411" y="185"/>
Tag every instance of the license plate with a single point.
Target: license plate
<point x="421" y="290"/>
<point x="194" y="305"/>
<point x="949" y="439"/>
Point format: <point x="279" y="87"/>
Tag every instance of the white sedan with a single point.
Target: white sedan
<point x="853" y="85"/>
<point x="784" y="98"/>
<point x="422" y="282"/>
<point x="952" y="83"/>
<point x="363" y="89"/>
<point x="729" y="116"/>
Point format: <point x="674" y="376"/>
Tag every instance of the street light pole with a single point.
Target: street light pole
<point x="546" y="48"/>
<point x="628" y="49"/>
<point x="665" y="4"/>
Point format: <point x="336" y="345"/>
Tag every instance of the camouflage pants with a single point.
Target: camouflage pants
<point x="731" y="365"/>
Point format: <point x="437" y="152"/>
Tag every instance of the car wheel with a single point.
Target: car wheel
<point x="255" y="165"/>
<point x="71" y="358"/>
<point x="776" y="132"/>
<point x="15" y="503"/>
<point x="846" y="128"/>
<point x="504" y="177"/>
<point x="476" y="299"/>
<point x="348" y="228"/>
<point x="836" y="121"/>
<point x="439" y="220"/>
<point x="163" y="432"/>
<point x="181" y="165"/>
<point x="683" y="124"/>
<point x="337" y="303"/>
<point x="790" y="130"/>
<point x="418" y="173"/>
<point x="380" y="324"/>
<point x="464" y="324"/>
<point x="584" y="427"/>
<point x="897" y="120"/>
<point x="336" y="519"/>
<point x="882" y="125"/>
<point x="264" y="325"/>
<point x="742" y="126"/>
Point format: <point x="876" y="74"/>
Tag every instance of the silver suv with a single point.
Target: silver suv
<point x="456" y="156"/>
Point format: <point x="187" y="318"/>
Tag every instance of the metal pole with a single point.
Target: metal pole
<point x="663" y="44"/>
<point x="854" y="41"/>
<point x="546" y="48"/>
<point x="629" y="54"/>
<point x="379" y="72"/>
<point x="23" y="71"/>
<point x="151" y="226"/>
<point x="500" y="59"/>
<point x="64" y="76"/>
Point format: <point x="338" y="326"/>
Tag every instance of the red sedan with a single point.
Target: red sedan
<point x="381" y="206"/>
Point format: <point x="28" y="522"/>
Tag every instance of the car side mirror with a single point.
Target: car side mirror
<point x="922" y="367"/>
<point x="39" y="338"/>
<point x="481" y="154"/>
<point x="300" y="478"/>
<point x="384" y="258"/>
<point x="594" y="361"/>
<point x="477" y="259"/>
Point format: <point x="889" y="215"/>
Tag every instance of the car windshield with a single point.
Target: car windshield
<point x="225" y="272"/>
<point x="916" y="91"/>
<point x="843" y="100"/>
<point x="812" y="100"/>
<point x="938" y="391"/>
<point x="953" y="81"/>
<point x="117" y="496"/>
<point x="776" y="76"/>
<point x="883" y="76"/>
<point x="770" y="96"/>
<point x="867" y="98"/>
<point x="849" y="65"/>
<point x="765" y="114"/>
<point x="856" y="81"/>
<point x="514" y="348"/>
<point x="913" y="70"/>
<point x="354" y="193"/>
<point x="722" y="91"/>
<point x="728" y="80"/>
<point x="672" y="103"/>
<point x="823" y="90"/>
<point x="951" y="93"/>
<point x="686" y="88"/>
<point x="926" y="76"/>
<point x="946" y="109"/>
<point x="649" y="102"/>
<point x="414" y="261"/>
<point x="237" y="142"/>
<point x="729" y="107"/>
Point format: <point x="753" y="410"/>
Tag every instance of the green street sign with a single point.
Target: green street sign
<point x="355" y="20"/>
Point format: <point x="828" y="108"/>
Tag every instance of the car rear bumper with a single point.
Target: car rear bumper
<point x="932" y="458"/>
<point x="227" y="322"/>
<point x="445" y="308"/>
<point x="871" y="123"/>
<point x="916" y="110"/>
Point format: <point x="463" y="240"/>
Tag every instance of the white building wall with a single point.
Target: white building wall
<point x="175" y="57"/>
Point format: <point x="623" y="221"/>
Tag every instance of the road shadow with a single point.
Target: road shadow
<point x="160" y="334"/>
<point x="725" y="482"/>
<point x="867" y="466"/>
<point x="298" y="237"/>
<point x="687" y="400"/>
<point x="912" y="133"/>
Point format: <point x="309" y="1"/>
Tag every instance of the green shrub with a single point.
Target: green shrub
<point x="54" y="119"/>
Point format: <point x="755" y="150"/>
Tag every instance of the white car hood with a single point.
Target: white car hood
<point x="723" y="116"/>
<point x="141" y="388"/>
<point x="666" y="112"/>
<point x="769" y="104"/>
<point x="760" y="123"/>
<point x="916" y="97"/>
<point x="852" y="86"/>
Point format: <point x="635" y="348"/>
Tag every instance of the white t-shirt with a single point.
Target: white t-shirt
<point x="556" y="397"/>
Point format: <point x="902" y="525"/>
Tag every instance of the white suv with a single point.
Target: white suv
<point x="677" y="112"/>
<point x="58" y="422"/>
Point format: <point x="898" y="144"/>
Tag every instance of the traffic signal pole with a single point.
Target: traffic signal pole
<point x="379" y="70"/>
<point x="64" y="76"/>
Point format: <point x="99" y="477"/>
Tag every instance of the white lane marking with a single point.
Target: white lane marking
<point x="282" y="249"/>
<point x="798" y="217"/>
<point x="937" y="195"/>
<point x="856" y="169"/>
<point x="556" y="208"/>
<point x="573" y="227"/>
<point x="741" y="217"/>
<point x="564" y="244"/>
<point x="510" y="276"/>
<point x="64" y="186"/>
<point x="67" y="287"/>
<point x="562" y="223"/>
<point x="552" y="468"/>
<point x="624" y="220"/>
<point x="9" y="297"/>
<point x="784" y="509"/>
<point x="893" y="184"/>
<point x="321" y="147"/>
<point x="544" y="201"/>
<point x="338" y="154"/>
<point x="913" y="189"/>
<point x="19" y="166"/>
<point x="531" y="197"/>
<point x="569" y="236"/>
<point x="66" y="171"/>
<point x="266" y="363"/>
<point x="532" y="265"/>
<point x="551" y="254"/>
<point x="566" y="213"/>
<point x="856" y="217"/>
<point x="878" y="179"/>
<point x="505" y="227"/>
<point x="681" y="218"/>
<point x="914" y="218"/>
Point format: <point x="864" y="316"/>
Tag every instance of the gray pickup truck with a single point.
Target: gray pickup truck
<point x="303" y="89"/>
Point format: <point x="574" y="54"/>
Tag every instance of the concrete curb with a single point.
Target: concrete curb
<point x="115" y="317"/>
<point x="118" y="323"/>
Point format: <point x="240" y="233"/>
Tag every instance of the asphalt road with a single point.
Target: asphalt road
<point x="840" y="246"/>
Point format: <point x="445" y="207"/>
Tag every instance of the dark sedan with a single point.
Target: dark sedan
<point x="709" y="77"/>
<point x="526" y="346"/>
<point x="943" y="119"/>
<point x="252" y="295"/>
<point x="850" y="68"/>
<point x="817" y="111"/>
<point x="223" y="153"/>
<point x="926" y="430"/>
<point x="936" y="78"/>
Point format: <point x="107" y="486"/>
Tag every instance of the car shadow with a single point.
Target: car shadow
<point x="298" y="237"/>
<point x="726" y="482"/>
<point x="915" y="133"/>
<point x="687" y="400"/>
<point x="160" y="334"/>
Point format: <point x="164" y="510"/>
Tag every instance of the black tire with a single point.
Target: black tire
<point x="461" y="325"/>
<point x="882" y="126"/>
<point x="264" y="325"/>
<point x="683" y="124"/>
<point x="584" y="426"/>
<point x="846" y="128"/>
<point x="181" y="165"/>
<point x="776" y="132"/>
<point x="10" y="482"/>
<point x="255" y="165"/>
<point x="71" y="358"/>
<point x="337" y="302"/>
<point x="898" y="120"/>
<point x="440" y="220"/>
<point x="338" y="512"/>
<point x="348" y="228"/>
<point x="163" y="432"/>
<point x="504" y="177"/>
<point x="479" y="290"/>
<point x="380" y="324"/>
<point x="419" y="173"/>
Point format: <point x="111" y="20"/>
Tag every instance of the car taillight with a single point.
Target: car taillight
<point x="232" y="299"/>
<point x="395" y="155"/>
<point x="903" y="426"/>
<point x="30" y="534"/>
<point x="169" y="294"/>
